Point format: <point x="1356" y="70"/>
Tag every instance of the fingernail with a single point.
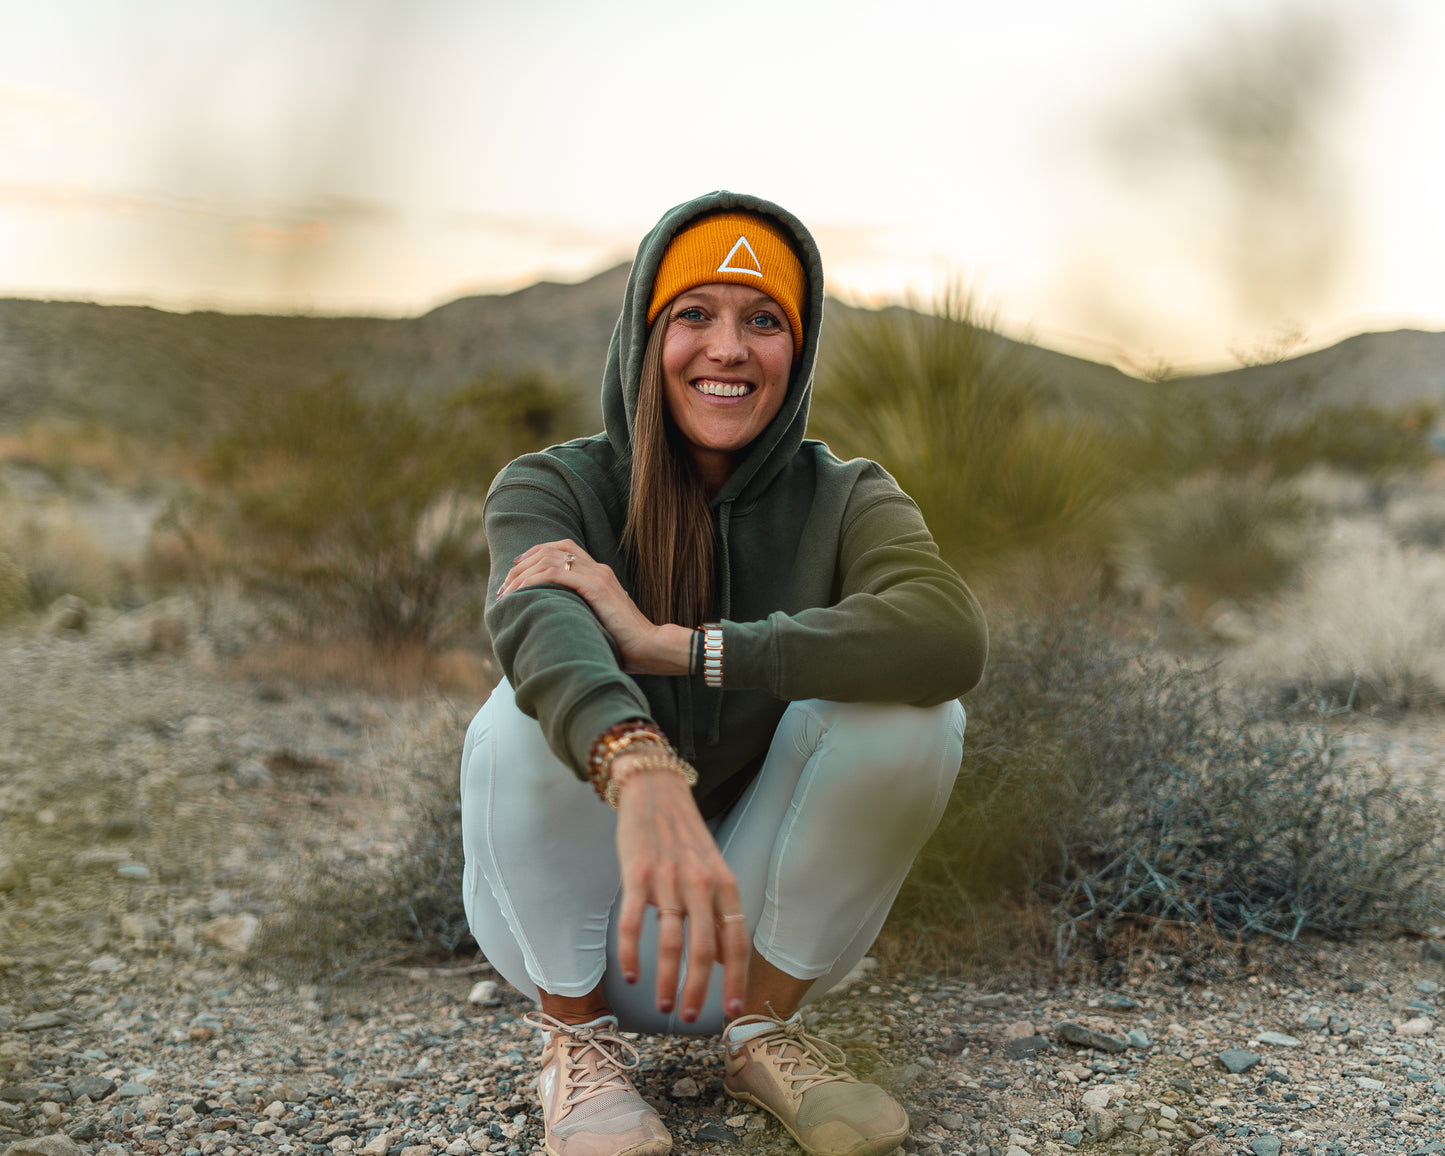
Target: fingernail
<point x="665" y="1006"/>
<point x="689" y="1014"/>
<point x="735" y="1008"/>
<point x="630" y="976"/>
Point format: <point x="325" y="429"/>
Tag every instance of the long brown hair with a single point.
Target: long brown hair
<point x="668" y="537"/>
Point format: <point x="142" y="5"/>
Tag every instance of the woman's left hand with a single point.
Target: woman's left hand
<point x="646" y="647"/>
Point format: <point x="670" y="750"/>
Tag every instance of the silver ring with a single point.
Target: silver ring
<point x="567" y="560"/>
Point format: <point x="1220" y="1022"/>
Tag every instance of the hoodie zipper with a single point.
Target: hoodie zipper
<point x="725" y="605"/>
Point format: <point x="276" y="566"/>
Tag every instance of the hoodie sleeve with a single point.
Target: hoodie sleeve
<point x="562" y="664"/>
<point x="905" y="627"/>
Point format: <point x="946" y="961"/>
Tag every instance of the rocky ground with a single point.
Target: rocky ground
<point x="159" y="809"/>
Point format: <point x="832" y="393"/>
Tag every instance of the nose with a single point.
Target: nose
<point x="727" y="344"/>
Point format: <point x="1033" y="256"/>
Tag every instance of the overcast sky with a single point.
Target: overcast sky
<point x="1175" y="182"/>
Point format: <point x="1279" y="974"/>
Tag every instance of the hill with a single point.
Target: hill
<point x="149" y="371"/>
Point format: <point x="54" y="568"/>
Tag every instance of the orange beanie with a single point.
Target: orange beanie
<point x="737" y="248"/>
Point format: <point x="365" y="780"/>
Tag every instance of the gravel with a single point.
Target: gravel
<point x="143" y="847"/>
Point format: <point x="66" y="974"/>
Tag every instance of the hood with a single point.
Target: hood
<point x="620" y="380"/>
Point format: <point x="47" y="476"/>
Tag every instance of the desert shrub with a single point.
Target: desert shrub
<point x="364" y="513"/>
<point x="1280" y="428"/>
<point x="14" y="590"/>
<point x="1234" y="535"/>
<point x="1103" y="786"/>
<point x="342" y="912"/>
<point x="957" y="416"/>
<point x="1366" y="628"/>
<point x="57" y="555"/>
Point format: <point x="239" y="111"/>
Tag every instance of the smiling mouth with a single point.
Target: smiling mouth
<point x="722" y="388"/>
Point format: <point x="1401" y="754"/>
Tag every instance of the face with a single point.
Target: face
<point x="726" y="355"/>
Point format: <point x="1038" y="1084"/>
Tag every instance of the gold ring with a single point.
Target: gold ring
<point x="738" y="918"/>
<point x="670" y="911"/>
<point x="567" y="560"/>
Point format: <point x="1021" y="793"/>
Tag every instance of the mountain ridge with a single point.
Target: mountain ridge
<point x="147" y="370"/>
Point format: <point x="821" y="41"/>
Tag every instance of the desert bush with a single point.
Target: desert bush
<point x="342" y="912"/>
<point x="957" y="416"/>
<point x="1279" y="428"/>
<point x="364" y="514"/>
<point x="1366" y="628"/>
<point x="1230" y="535"/>
<point x="14" y="590"/>
<point x="57" y="555"/>
<point x="1104" y="786"/>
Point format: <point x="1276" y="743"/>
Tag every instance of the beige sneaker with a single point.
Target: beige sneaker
<point x="802" y="1081"/>
<point x="589" y="1105"/>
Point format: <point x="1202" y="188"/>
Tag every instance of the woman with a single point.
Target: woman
<point x="753" y="651"/>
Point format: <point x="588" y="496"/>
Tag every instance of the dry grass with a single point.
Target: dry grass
<point x="402" y="673"/>
<point x="58" y="555"/>
<point x="1365" y="629"/>
<point x="68" y="452"/>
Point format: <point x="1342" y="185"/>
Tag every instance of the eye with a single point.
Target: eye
<point x="766" y="321"/>
<point x="691" y="313"/>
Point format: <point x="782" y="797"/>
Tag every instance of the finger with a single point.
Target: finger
<point x="629" y="930"/>
<point x="540" y="569"/>
<point x="734" y="948"/>
<point x="669" y="952"/>
<point x="701" y="952"/>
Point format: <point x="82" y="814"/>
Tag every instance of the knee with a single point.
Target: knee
<point x="903" y="759"/>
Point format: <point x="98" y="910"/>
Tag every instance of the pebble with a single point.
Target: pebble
<point x="1278" y="1039"/>
<point x="1237" y="1060"/>
<point x="1074" y="1033"/>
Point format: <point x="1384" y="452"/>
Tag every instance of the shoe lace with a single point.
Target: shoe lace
<point x="805" y="1061"/>
<point x="592" y="1058"/>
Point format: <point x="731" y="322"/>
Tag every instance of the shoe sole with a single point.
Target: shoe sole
<point x="875" y="1147"/>
<point x="640" y="1147"/>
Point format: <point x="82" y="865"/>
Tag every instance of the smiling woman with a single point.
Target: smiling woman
<point x="753" y="651"/>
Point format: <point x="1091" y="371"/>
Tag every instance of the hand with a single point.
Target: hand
<point x="646" y="647"/>
<point x="670" y="860"/>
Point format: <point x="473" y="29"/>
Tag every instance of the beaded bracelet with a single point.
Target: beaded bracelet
<point x="613" y="741"/>
<point x="667" y="760"/>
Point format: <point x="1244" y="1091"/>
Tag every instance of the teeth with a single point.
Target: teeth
<point x="721" y="388"/>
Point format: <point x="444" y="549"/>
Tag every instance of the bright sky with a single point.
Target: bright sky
<point x="1160" y="182"/>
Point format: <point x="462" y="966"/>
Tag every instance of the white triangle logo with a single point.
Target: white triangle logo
<point x="740" y="247"/>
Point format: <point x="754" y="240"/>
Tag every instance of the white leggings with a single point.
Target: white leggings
<point x="819" y="843"/>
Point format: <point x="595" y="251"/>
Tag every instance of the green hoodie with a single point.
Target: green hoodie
<point x="829" y="585"/>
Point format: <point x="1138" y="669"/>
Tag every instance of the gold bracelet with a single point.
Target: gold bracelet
<point x="668" y="760"/>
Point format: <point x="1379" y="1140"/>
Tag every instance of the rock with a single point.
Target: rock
<point x="1209" y="1146"/>
<point x="137" y="872"/>
<point x="380" y="1144"/>
<point x="1073" y="1137"/>
<point x="132" y="1090"/>
<point x="253" y="774"/>
<point x="12" y="876"/>
<point x="1134" y="1122"/>
<point x="1419" y="1026"/>
<point x="1427" y="987"/>
<point x="685" y="1089"/>
<point x="1097" y="1097"/>
<point x="101" y="858"/>
<point x="1433" y="951"/>
<point x="1116" y="1002"/>
<point x="1015" y="1150"/>
<point x="1138" y="1038"/>
<point x="97" y="1088"/>
<point x="68" y="614"/>
<point x="1073" y="1033"/>
<point x="483" y="991"/>
<point x="1019" y="1030"/>
<point x="19" y="1094"/>
<point x="1278" y="1039"/>
<point x="1237" y="1060"/>
<point x="56" y="1145"/>
<point x="40" y="1021"/>
<point x="1017" y="1049"/>
<point x="993" y="1000"/>
<point x="142" y="930"/>
<point x="1101" y="1123"/>
<point x="1369" y="1085"/>
<point x="1265" y="1145"/>
<point x="1226" y="622"/>
<point x="235" y="933"/>
<point x="855" y="976"/>
<point x="714" y="1133"/>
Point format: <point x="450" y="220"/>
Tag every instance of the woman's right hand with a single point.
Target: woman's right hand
<point x="670" y="861"/>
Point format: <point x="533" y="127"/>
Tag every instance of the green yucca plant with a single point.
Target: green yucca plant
<point x="956" y="414"/>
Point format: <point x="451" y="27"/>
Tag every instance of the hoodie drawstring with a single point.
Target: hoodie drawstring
<point x="725" y="605"/>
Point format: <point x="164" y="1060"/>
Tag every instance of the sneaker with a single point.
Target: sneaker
<point x="802" y="1081"/>
<point x="589" y="1104"/>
